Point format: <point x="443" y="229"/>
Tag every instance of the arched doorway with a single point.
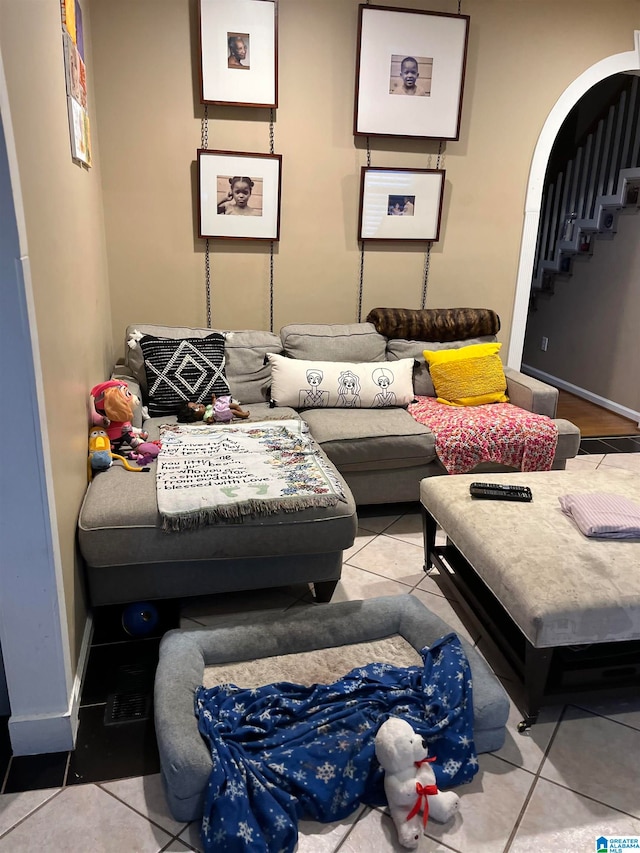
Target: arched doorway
<point x="619" y="63"/>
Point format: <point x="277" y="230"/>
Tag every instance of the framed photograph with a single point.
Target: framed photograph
<point x="239" y="52"/>
<point x="400" y="204"/>
<point x="410" y="73"/>
<point x="239" y="195"/>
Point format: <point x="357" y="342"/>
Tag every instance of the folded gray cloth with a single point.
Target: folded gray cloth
<point x="603" y="516"/>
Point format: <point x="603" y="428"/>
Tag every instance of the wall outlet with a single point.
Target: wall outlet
<point x="544" y="343"/>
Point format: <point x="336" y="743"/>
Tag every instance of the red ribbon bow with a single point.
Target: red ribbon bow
<point x="423" y="792"/>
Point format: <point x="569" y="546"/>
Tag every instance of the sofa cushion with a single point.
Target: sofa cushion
<point x="330" y="384"/>
<point x="342" y="342"/>
<point x="373" y="439"/>
<point x="119" y="524"/>
<point x="469" y="376"/>
<point x="182" y="370"/>
<point x="422" y="384"/>
<point x="248" y="375"/>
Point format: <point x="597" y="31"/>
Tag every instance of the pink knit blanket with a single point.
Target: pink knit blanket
<point x="495" y="432"/>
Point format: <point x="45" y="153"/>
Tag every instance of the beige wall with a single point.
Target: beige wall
<point x="592" y="321"/>
<point x="144" y="105"/>
<point x="66" y="247"/>
<point x="521" y="58"/>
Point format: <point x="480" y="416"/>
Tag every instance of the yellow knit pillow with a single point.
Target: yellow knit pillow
<point x="469" y="376"/>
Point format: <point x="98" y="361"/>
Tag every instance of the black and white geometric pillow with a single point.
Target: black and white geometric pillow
<point x="183" y="370"/>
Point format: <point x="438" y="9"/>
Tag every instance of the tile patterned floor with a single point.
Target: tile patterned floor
<point x="574" y="777"/>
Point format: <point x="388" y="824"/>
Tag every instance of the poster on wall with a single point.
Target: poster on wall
<point x="400" y="204"/>
<point x="239" y="52"/>
<point x="79" y="130"/>
<point x="68" y="13"/>
<point x="410" y="69"/>
<point x="239" y="195"/>
<point x="75" y="72"/>
<point x="79" y="30"/>
<point x="76" y="84"/>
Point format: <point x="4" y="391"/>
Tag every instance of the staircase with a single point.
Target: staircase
<point x="582" y="202"/>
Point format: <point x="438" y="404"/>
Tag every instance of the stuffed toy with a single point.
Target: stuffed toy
<point x="409" y="781"/>
<point x="111" y="407"/>
<point x="145" y="452"/>
<point x="101" y="456"/>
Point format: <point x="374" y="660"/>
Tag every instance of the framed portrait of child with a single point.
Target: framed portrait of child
<point x="410" y="71"/>
<point x="239" y="52"/>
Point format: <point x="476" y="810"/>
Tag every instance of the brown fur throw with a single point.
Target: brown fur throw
<point x="434" y="324"/>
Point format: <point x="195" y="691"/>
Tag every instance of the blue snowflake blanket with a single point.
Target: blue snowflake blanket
<point x="286" y="751"/>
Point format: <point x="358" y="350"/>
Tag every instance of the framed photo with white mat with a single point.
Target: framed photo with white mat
<point x="239" y="52"/>
<point x="239" y="195"/>
<point x="400" y="204"/>
<point x="410" y="71"/>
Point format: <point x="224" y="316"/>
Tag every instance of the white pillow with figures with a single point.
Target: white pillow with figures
<point x="340" y="385"/>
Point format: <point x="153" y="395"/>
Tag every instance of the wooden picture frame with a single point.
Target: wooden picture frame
<point x="239" y="52"/>
<point x="400" y="204"/>
<point x="410" y="72"/>
<point x="239" y="195"/>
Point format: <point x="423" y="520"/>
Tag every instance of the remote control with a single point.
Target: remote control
<point x="500" y="492"/>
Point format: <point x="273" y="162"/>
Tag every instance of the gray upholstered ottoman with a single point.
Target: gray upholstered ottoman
<point x="184" y="757"/>
<point x="563" y="608"/>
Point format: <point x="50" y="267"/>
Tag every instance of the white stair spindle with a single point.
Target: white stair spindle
<point x="581" y="204"/>
<point x="566" y="226"/>
<point x="573" y="197"/>
<point x="632" y="118"/>
<point x="605" y="158"/>
<point x="593" y="172"/>
<point x="616" y="146"/>
<point x="555" y="218"/>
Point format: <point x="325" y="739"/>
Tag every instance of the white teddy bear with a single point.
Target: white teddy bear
<point x="409" y="781"/>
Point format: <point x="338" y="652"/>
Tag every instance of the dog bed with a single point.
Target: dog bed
<point x="185" y="655"/>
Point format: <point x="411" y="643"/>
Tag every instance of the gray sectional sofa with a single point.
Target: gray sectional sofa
<point x="381" y="455"/>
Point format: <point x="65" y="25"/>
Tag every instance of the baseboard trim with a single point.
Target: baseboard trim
<point x="78" y="681"/>
<point x="35" y="734"/>
<point x="582" y="392"/>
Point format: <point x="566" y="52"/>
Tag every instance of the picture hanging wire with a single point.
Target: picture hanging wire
<point x="204" y="143"/>
<point x="361" y="284"/>
<point x="271" y="151"/>
<point x="207" y="263"/>
<point x="360" y="287"/>
<point x="427" y="254"/>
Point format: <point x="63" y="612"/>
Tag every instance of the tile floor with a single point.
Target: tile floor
<point x="574" y="777"/>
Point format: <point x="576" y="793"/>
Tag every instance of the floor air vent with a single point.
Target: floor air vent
<point x="127" y="708"/>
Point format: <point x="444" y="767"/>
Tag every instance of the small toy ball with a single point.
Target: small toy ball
<point x="140" y="618"/>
